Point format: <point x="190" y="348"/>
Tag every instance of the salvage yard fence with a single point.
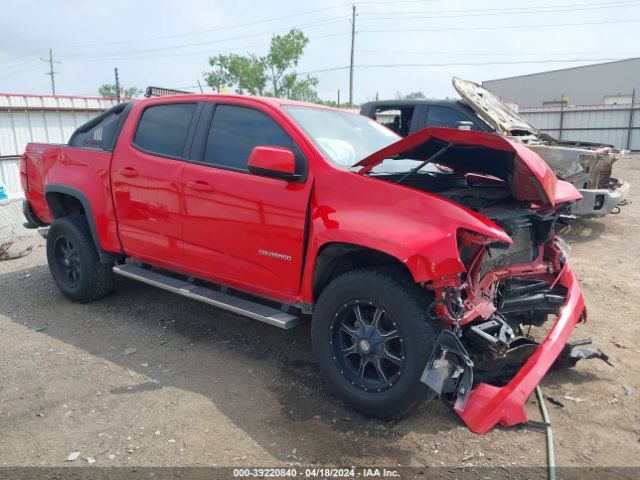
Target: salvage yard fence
<point x="617" y="125"/>
<point x="39" y="118"/>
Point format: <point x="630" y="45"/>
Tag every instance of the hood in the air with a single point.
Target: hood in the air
<point x="529" y="177"/>
<point x="492" y="110"/>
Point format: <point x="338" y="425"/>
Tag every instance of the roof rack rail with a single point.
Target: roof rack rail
<point x="163" y="92"/>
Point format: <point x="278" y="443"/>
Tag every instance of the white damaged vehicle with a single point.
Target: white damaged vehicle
<point x="586" y="165"/>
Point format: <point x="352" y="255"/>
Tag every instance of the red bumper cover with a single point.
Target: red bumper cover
<point x="488" y="405"/>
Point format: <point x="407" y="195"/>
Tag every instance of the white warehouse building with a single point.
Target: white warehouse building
<point x="591" y="103"/>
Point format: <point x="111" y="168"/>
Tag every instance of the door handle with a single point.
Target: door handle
<point x="200" y="186"/>
<point x="128" y="172"/>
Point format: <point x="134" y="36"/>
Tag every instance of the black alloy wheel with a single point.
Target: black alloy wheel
<point x="67" y="261"/>
<point x="367" y="346"/>
<point x="372" y="336"/>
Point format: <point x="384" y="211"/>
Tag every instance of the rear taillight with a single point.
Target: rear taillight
<point x="24" y="179"/>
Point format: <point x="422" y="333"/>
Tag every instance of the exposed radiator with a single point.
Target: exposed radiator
<point x="522" y="250"/>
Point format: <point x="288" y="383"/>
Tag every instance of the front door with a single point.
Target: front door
<point x="242" y="229"/>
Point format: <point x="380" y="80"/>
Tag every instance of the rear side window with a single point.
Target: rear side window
<point x="448" y="117"/>
<point x="397" y="118"/>
<point x="235" y="131"/>
<point x="100" y="132"/>
<point x="163" y="129"/>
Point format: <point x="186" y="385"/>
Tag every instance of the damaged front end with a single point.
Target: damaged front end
<point x="484" y="365"/>
<point x="510" y="271"/>
<point x="586" y="165"/>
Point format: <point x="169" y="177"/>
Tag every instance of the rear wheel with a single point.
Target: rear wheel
<point x="372" y="337"/>
<point x="74" y="262"/>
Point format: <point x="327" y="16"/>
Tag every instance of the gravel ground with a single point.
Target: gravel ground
<point x="146" y="378"/>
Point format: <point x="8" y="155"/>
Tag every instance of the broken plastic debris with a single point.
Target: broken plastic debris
<point x="574" y="399"/>
<point x="72" y="456"/>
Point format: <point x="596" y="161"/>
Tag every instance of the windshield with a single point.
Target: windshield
<point x="344" y="138"/>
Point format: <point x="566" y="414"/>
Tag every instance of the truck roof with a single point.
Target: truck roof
<point x="409" y="102"/>
<point x="276" y="102"/>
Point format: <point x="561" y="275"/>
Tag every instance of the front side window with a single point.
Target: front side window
<point x="163" y="129"/>
<point x="234" y="133"/>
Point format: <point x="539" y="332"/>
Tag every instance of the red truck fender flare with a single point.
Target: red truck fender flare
<point x="56" y="212"/>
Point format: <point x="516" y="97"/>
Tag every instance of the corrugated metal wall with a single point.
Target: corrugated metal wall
<point x="589" y="123"/>
<point x="30" y="118"/>
<point x="39" y="118"/>
<point x="10" y="175"/>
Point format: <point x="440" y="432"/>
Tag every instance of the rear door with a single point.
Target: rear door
<point x="243" y="229"/>
<point x="146" y="172"/>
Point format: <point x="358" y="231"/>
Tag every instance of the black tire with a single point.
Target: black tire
<point x="404" y="305"/>
<point x="74" y="262"/>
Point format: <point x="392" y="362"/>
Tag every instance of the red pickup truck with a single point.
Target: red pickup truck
<point x="417" y="260"/>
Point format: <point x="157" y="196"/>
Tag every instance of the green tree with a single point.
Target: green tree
<point x="303" y="89"/>
<point x="411" y="96"/>
<point x="109" y="90"/>
<point x="273" y="74"/>
<point x="245" y="73"/>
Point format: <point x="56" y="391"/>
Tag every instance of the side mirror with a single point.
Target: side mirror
<point x="275" y="162"/>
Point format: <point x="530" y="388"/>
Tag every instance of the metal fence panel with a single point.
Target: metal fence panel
<point x="41" y="118"/>
<point x="590" y="123"/>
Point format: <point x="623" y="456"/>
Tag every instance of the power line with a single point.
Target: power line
<point x="212" y="30"/>
<point x="98" y="58"/>
<point x="20" y="57"/>
<point x="309" y="12"/>
<point x="415" y="16"/>
<point x="462" y="64"/>
<point x="29" y="64"/>
<point x="210" y="42"/>
<point x="498" y="27"/>
<point x="510" y="11"/>
<point x="489" y="54"/>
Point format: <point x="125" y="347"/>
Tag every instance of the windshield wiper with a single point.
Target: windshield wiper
<point x="428" y="160"/>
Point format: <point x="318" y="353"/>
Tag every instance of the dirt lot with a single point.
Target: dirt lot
<point x="206" y="387"/>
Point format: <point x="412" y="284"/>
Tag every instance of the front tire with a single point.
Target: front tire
<point x="74" y="262"/>
<point x="372" y="337"/>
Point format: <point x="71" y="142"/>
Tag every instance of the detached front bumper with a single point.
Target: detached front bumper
<point x="599" y="202"/>
<point x="488" y="406"/>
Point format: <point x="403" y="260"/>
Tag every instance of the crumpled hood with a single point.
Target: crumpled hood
<point x="492" y="110"/>
<point x="528" y="176"/>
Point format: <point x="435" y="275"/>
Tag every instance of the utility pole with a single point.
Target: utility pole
<point x="200" y="87"/>
<point x="51" y="72"/>
<point x="353" y="39"/>
<point x="117" y="85"/>
<point x="338" y="98"/>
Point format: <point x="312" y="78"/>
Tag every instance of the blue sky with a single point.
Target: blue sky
<point x="401" y="46"/>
